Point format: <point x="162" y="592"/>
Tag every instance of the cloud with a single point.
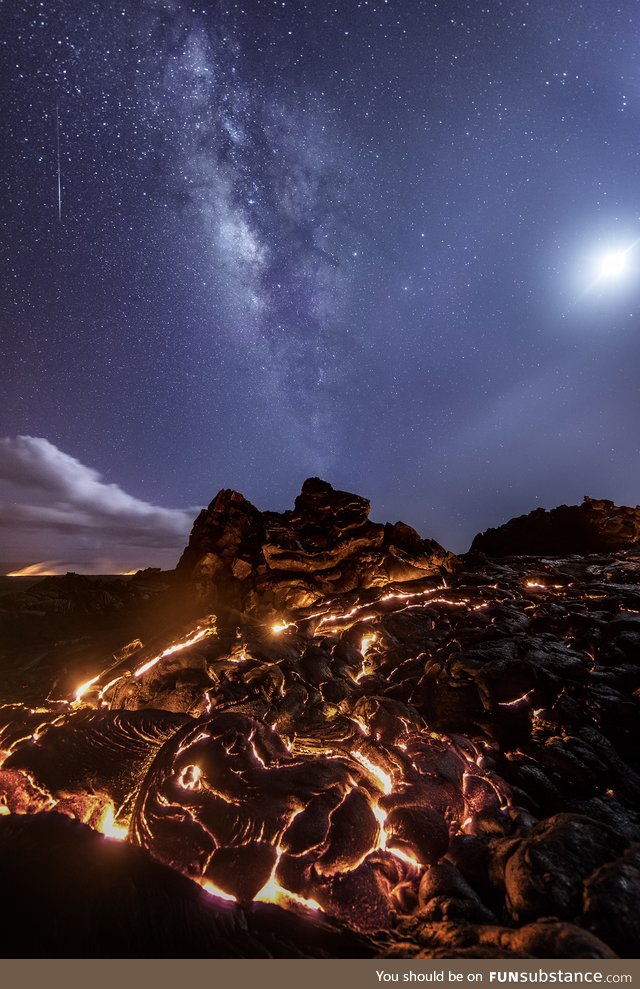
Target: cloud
<point x="54" y="508"/>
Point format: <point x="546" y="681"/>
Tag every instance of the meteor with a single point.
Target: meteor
<point x="58" y="159"/>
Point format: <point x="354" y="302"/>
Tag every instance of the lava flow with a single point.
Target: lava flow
<point x="434" y="755"/>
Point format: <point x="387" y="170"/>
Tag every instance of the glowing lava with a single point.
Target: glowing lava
<point x="108" y="827"/>
<point x="279" y="627"/>
<point x="45" y="569"/>
<point x="82" y="690"/>
<point x="273" y="892"/>
<point x="384" y="779"/>
<point x="195" y="636"/>
<point x="190" y="641"/>
<point x="216" y="891"/>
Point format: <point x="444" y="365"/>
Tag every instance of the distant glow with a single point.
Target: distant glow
<point x="35" y="570"/>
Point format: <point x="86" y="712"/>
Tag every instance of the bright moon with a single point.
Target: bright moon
<point x="613" y="265"/>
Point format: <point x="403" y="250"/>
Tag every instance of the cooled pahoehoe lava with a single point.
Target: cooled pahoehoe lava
<point x="409" y="753"/>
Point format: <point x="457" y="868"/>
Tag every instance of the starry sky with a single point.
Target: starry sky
<point x="392" y="243"/>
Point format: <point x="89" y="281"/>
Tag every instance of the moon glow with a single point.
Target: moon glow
<point x="613" y="265"/>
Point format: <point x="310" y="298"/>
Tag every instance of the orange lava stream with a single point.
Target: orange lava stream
<point x="193" y="637"/>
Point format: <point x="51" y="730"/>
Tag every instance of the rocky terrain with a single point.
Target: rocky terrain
<point x="327" y="737"/>
<point x="595" y="526"/>
<point x="265" y="562"/>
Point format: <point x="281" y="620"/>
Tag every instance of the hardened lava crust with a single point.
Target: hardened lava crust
<point x="324" y="737"/>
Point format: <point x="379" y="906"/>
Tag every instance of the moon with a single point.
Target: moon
<point x="609" y="269"/>
<point x="613" y="265"/>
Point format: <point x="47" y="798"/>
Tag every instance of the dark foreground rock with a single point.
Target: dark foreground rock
<point x="71" y="893"/>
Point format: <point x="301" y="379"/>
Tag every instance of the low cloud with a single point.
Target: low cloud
<point x="54" y="508"/>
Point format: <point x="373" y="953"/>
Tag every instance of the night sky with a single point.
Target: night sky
<point x="392" y="243"/>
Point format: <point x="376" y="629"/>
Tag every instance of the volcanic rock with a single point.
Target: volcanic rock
<point x="342" y="719"/>
<point x="241" y="558"/>
<point x="446" y="895"/>
<point x="545" y="874"/>
<point x="616" y="883"/>
<point x="64" y="627"/>
<point x="93" y="752"/>
<point x="595" y="526"/>
<point x="75" y="894"/>
<point x="546" y="938"/>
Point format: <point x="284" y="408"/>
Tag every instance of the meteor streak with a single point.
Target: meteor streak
<point x="58" y="159"/>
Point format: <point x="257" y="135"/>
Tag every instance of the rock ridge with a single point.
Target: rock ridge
<point x="595" y="526"/>
<point x="238" y="557"/>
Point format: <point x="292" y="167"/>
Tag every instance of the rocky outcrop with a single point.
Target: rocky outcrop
<point x="595" y="526"/>
<point x="241" y="558"/>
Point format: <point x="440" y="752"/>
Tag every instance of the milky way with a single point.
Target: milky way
<point x="346" y="239"/>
